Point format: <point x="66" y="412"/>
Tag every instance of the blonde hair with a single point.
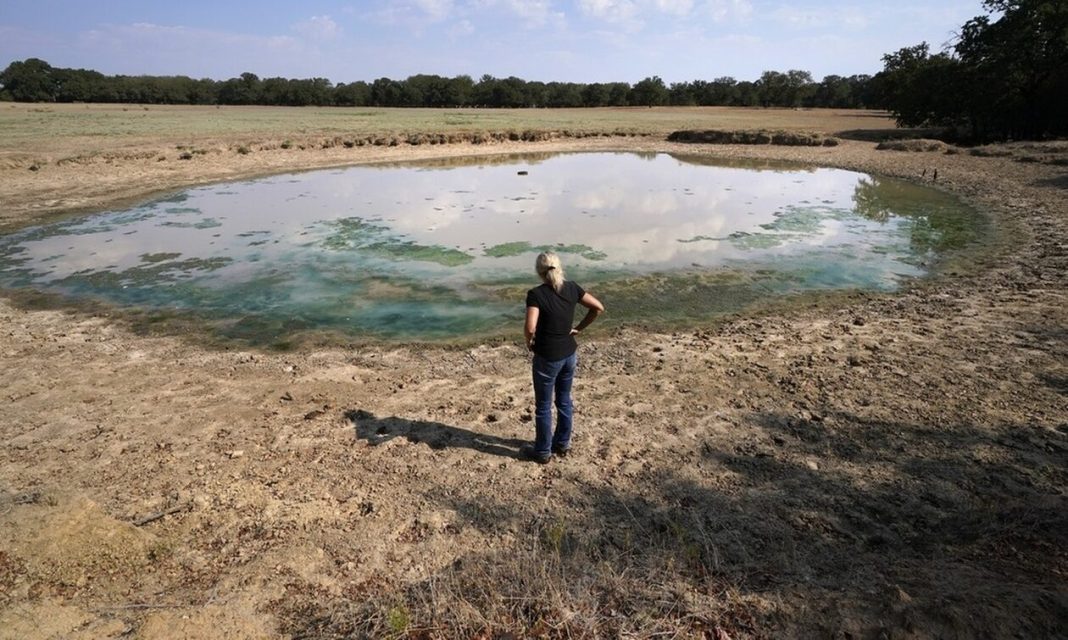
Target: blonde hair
<point x="550" y="270"/>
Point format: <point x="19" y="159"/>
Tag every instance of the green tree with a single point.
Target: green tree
<point x="682" y="94"/>
<point x="459" y="91"/>
<point x="649" y="92"/>
<point x="386" y="93"/>
<point x="596" y="94"/>
<point x="353" y="94"/>
<point x="31" y="80"/>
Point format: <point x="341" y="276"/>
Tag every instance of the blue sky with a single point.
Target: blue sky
<point x="567" y="40"/>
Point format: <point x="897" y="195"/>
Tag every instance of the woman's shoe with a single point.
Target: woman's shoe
<point x="527" y="452"/>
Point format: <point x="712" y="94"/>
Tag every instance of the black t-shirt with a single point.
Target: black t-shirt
<point x="552" y="338"/>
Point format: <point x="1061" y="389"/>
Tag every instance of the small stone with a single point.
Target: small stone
<point x="288" y="397"/>
<point x="313" y="414"/>
<point x="492" y="418"/>
<point x="812" y="465"/>
<point x="236" y="453"/>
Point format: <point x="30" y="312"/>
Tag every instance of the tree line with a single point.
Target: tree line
<point x="1006" y="77"/>
<point x="34" y="80"/>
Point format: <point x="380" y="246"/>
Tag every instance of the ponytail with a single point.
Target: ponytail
<point x="550" y="270"/>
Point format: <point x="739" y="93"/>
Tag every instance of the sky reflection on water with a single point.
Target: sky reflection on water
<point x="438" y="250"/>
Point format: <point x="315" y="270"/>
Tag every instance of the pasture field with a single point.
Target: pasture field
<point x="63" y="128"/>
<point x="861" y="465"/>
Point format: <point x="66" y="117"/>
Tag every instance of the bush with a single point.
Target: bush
<point x="917" y="145"/>
<point x="784" y="138"/>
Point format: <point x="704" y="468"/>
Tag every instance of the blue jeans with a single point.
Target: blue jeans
<point x="550" y="376"/>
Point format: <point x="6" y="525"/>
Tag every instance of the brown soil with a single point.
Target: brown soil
<point x="862" y="465"/>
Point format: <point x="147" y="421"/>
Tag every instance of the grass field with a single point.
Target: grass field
<point x="858" y="466"/>
<point x="55" y="128"/>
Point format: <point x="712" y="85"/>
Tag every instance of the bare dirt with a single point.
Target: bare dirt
<point x="855" y="466"/>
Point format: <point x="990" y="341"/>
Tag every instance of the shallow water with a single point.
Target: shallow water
<point x="443" y="250"/>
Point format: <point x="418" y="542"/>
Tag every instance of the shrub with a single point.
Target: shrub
<point x="917" y="145"/>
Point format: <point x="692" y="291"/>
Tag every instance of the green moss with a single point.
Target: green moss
<point x="509" y="249"/>
<point x="158" y="257"/>
<point x="206" y="223"/>
<point x="699" y="239"/>
<point x="356" y="234"/>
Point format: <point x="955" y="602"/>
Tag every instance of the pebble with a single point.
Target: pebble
<point x="812" y="464"/>
<point x="236" y="453"/>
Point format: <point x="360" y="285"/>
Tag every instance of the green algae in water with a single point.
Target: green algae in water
<point x="443" y="250"/>
<point x="159" y="257"/>
<point x="375" y="240"/>
<point x="206" y="223"/>
<point x="510" y="249"/>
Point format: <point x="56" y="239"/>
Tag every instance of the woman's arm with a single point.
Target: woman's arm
<point x="595" y="309"/>
<point x="530" y="326"/>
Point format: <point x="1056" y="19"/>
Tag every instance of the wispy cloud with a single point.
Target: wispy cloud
<point x="533" y="13"/>
<point x="318" y="28"/>
<point x="635" y="14"/>
<point x="435" y="9"/>
<point x="727" y="10"/>
<point x="461" y="29"/>
<point x="139" y="34"/>
<point x="144" y="47"/>
<point x="610" y="10"/>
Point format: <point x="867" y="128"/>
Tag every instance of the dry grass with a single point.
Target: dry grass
<point x="657" y="578"/>
<point x="58" y="128"/>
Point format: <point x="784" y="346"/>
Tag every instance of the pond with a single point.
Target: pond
<point x="443" y="250"/>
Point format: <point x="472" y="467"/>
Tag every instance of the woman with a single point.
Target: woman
<point x="549" y="334"/>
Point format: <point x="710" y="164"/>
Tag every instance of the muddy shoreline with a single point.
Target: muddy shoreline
<point x="865" y="464"/>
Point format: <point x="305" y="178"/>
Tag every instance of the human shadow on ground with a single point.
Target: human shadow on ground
<point x="855" y="526"/>
<point x="1058" y="182"/>
<point x="377" y="430"/>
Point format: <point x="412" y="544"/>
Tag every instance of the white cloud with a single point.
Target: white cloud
<point x="675" y="7"/>
<point x="726" y="10"/>
<point x="165" y="49"/>
<point x="318" y="28"/>
<point x="533" y="13"/>
<point x="635" y="12"/>
<point x="461" y="29"/>
<point x="610" y="10"/>
<point x="171" y="37"/>
<point x="435" y="9"/>
<point x="822" y="18"/>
